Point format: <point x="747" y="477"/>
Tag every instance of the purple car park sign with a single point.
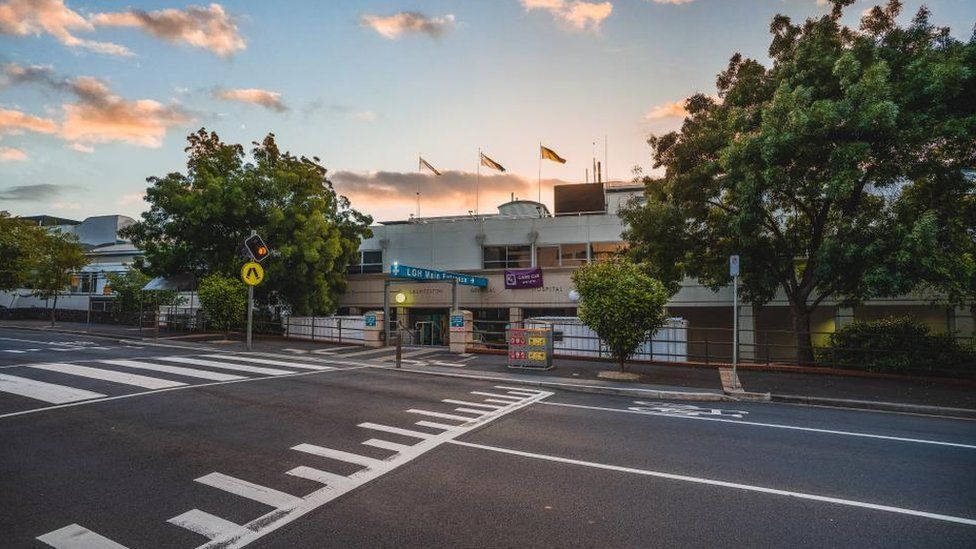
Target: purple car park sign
<point x="523" y="278"/>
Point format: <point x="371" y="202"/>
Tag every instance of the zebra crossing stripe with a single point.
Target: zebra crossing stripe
<point x="322" y="477"/>
<point x="440" y="415"/>
<point x="226" y="365"/>
<point x="468" y="403"/>
<point x="301" y="365"/>
<point x="386" y="445"/>
<point x="348" y="457"/>
<point x="176" y="370"/>
<point x="108" y="375"/>
<point x="74" y="536"/>
<point x="435" y="425"/>
<point x="48" y="392"/>
<point x="472" y="411"/>
<point x="204" y="523"/>
<point x="396" y="430"/>
<point x="249" y="490"/>
<point x="496" y="395"/>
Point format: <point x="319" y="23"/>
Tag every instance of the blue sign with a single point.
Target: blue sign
<point x="370" y="321"/>
<point x="457" y="321"/>
<point x="418" y="273"/>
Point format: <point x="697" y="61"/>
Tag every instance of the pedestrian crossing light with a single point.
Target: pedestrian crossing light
<point x="256" y="248"/>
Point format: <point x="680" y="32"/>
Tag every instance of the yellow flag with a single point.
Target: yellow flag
<point x="546" y="153"/>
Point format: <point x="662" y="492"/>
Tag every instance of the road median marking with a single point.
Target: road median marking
<point x="721" y="483"/>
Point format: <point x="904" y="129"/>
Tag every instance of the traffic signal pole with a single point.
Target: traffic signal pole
<point x="250" y="314"/>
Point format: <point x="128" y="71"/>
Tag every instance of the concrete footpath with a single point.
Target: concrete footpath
<point x="679" y="382"/>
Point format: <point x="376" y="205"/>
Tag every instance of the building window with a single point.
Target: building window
<point x="367" y="261"/>
<point x="83" y="283"/>
<point x="507" y="257"/>
<point x="547" y="256"/>
<point x="602" y="251"/>
<point x="573" y="255"/>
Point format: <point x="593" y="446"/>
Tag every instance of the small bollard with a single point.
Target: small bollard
<point x="399" y="348"/>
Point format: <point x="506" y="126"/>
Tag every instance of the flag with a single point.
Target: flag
<point x="489" y="163"/>
<point x="546" y="153"/>
<point x="425" y="164"/>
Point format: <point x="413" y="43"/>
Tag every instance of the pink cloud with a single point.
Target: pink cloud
<point x="267" y="99"/>
<point x="210" y="28"/>
<point x="10" y="154"/>
<point x="35" y="17"/>
<point x="14" y="121"/>
<point x="671" y="109"/>
<point x="398" y="24"/>
<point x="576" y="14"/>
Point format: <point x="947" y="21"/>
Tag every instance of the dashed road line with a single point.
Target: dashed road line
<point x="74" y="536"/>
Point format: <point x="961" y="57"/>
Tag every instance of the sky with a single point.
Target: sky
<point x="97" y="96"/>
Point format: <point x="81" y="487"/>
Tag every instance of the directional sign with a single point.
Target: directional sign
<point x="252" y="273"/>
<point x="419" y="273"/>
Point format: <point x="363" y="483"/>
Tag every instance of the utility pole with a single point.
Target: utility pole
<point x="734" y="271"/>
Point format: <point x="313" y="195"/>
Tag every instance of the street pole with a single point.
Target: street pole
<point x="735" y="331"/>
<point x="250" y="314"/>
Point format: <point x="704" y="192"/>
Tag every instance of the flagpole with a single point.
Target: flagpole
<point x="477" y="185"/>
<point x="420" y="169"/>
<point x="540" y="171"/>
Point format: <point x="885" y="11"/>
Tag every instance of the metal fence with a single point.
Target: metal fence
<point x="681" y="342"/>
<point x="327" y="329"/>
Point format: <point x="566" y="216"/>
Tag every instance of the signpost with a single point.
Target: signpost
<point x="419" y="273"/>
<point x="252" y="273"/>
<point x="734" y="273"/>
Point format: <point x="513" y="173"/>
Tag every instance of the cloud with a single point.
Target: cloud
<point x="678" y="2"/>
<point x="14" y="121"/>
<point x="36" y="17"/>
<point x="670" y="109"/>
<point x="267" y="99"/>
<point x="82" y="148"/>
<point x="366" y="116"/>
<point x="10" y="154"/>
<point x="33" y="193"/>
<point x="210" y="27"/>
<point x="576" y="14"/>
<point x="398" y="24"/>
<point x="96" y="116"/>
<point x="131" y="198"/>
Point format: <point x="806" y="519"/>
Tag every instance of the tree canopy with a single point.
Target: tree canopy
<point x="839" y="172"/>
<point x="197" y="221"/>
<point x="20" y="248"/>
<point x="621" y="303"/>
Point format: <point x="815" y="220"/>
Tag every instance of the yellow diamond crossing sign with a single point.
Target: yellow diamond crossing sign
<point x="252" y="273"/>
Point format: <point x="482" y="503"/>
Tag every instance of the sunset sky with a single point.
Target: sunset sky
<point x="96" y="96"/>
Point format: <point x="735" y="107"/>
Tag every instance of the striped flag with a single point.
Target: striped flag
<point x="546" y="153"/>
<point x="489" y="163"/>
<point x="425" y="164"/>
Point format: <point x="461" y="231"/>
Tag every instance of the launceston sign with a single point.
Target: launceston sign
<point x="419" y="273"/>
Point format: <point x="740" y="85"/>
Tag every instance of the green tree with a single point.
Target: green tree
<point x="20" y="243"/>
<point x="224" y="300"/>
<point x="621" y="303"/>
<point x="131" y="298"/>
<point x="198" y="221"/>
<point x="59" y="257"/>
<point x="836" y="173"/>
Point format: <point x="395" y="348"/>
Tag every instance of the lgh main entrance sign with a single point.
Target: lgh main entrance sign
<point x="419" y="273"/>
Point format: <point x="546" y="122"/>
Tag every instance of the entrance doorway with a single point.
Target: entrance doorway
<point x="429" y="326"/>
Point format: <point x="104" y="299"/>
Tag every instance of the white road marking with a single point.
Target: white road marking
<point x="322" y="477"/>
<point x="497" y="401"/>
<point x="348" y="457"/>
<point x="296" y="351"/>
<point x="386" y="445"/>
<point x="435" y="425"/>
<point x="177" y="370"/>
<point x="225" y="365"/>
<point x="470" y="411"/>
<point x="18" y="351"/>
<point x="108" y="375"/>
<point x="440" y="415"/>
<point x="205" y="524"/>
<point x="48" y="392"/>
<point x="263" y="525"/>
<point x="721" y="483"/>
<point x="249" y="490"/>
<point x="468" y="403"/>
<point x="103" y="398"/>
<point x="449" y="364"/>
<point x="396" y="430"/>
<point x="521" y="393"/>
<point x="771" y="425"/>
<point x="74" y="536"/>
<point x="379" y="350"/>
<point x="287" y="364"/>
<point x="420" y="352"/>
<point x="496" y="395"/>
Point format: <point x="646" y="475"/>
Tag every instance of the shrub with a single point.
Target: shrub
<point x="898" y="345"/>
<point x="224" y="300"/>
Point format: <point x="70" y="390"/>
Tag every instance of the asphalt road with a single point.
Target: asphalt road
<point x="109" y="444"/>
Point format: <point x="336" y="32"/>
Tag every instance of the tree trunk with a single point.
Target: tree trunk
<point x="801" y="333"/>
<point x="54" y="308"/>
<point x="623" y="361"/>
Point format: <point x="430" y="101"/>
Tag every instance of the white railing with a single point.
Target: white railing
<point x="328" y="329"/>
<point x="573" y="338"/>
